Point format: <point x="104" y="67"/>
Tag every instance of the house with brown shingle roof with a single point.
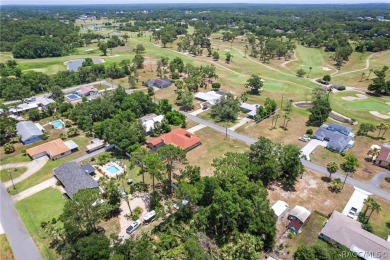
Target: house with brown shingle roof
<point x="383" y="158"/>
<point x="342" y="230"/>
<point x="178" y="137"/>
<point x="54" y="149"/>
<point x="88" y="90"/>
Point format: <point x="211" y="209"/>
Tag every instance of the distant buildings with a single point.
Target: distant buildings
<point x="178" y="137"/>
<point x="30" y="103"/>
<point x="210" y="98"/>
<point x="339" y="137"/>
<point x="342" y="230"/>
<point x="54" y="149"/>
<point x="29" y="132"/>
<point x="159" y="83"/>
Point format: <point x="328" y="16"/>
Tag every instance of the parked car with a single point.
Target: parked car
<point x="352" y="212"/>
<point x="148" y="217"/>
<point x="133" y="226"/>
<point x="183" y="202"/>
<point x="304" y="138"/>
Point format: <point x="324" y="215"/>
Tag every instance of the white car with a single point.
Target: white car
<point x="133" y="226"/>
<point x="183" y="202"/>
<point x="304" y="138"/>
<point x="352" y="212"/>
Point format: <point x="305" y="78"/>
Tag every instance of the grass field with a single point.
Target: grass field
<point x="15" y="172"/>
<point x="381" y="221"/>
<point x="5" y="248"/>
<point x="42" y="206"/>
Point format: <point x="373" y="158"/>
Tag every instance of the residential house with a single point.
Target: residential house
<point x="88" y="168"/>
<point x="280" y="208"/>
<point x="41" y="103"/>
<point x="87" y="90"/>
<point x="29" y="132"/>
<point x="74" y="178"/>
<point x="380" y="18"/>
<point x="210" y="98"/>
<point x="383" y="158"/>
<point x="339" y="137"/>
<point x="149" y="121"/>
<point x="159" y="83"/>
<point x="95" y="144"/>
<point x="250" y="109"/>
<point x="178" y="137"/>
<point x="54" y="149"/>
<point x="342" y="230"/>
<point x="297" y="217"/>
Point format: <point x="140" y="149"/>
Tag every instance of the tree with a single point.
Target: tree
<point x="81" y="215"/>
<point x="301" y="73"/>
<point x="153" y="166"/>
<point x="229" y="57"/>
<point x="215" y="56"/>
<point x="139" y="61"/>
<point x="310" y="69"/>
<point x="337" y="185"/>
<point x="9" y="148"/>
<point x="94" y="247"/>
<point x="113" y="195"/>
<point x="364" y="128"/>
<point x="332" y="167"/>
<point x="244" y="97"/>
<point x="103" y="48"/>
<point x="368" y="203"/>
<point x="379" y="84"/>
<point x="363" y="74"/>
<point x="132" y="82"/>
<point x="150" y="91"/>
<point x="350" y="165"/>
<point x="186" y="101"/>
<point x="286" y="119"/>
<point x="192" y="173"/>
<point x="34" y="114"/>
<point x="125" y="36"/>
<point x="375" y="207"/>
<point x="139" y="49"/>
<point x="327" y="78"/>
<point x="170" y="155"/>
<point x="216" y="86"/>
<point x="320" y="110"/>
<point x="255" y="84"/>
<point x="304" y="252"/>
<point x="226" y="109"/>
<point x="57" y="94"/>
<point x="381" y="127"/>
<point x="290" y="164"/>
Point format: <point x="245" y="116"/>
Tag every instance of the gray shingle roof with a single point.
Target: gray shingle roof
<point x="87" y="168"/>
<point x="72" y="176"/>
<point x="27" y="129"/>
<point x="340" y="128"/>
<point x="160" y="83"/>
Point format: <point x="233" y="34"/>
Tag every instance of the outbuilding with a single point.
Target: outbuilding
<point x="280" y="208"/>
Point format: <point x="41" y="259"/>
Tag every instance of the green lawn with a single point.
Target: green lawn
<point x="207" y="116"/>
<point x="14" y="158"/>
<point x="42" y="206"/>
<point x="5" y="248"/>
<point x="381" y="221"/>
<point x="15" y="172"/>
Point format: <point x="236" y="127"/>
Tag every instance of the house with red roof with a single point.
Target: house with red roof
<point x="383" y="158"/>
<point x="178" y="137"/>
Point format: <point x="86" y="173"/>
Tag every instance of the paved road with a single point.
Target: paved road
<point x="370" y="186"/>
<point x="22" y="244"/>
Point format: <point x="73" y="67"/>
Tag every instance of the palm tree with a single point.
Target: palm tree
<point x="286" y="117"/>
<point x="380" y="127"/>
<point x="276" y="119"/>
<point x="332" y="167"/>
<point x="337" y="185"/>
<point x="373" y="153"/>
<point x="287" y="120"/>
<point x="368" y="202"/>
<point x="128" y="203"/>
<point x="310" y="68"/>
<point x="385" y="128"/>
<point x="374" y="207"/>
<point x="363" y="74"/>
<point x="371" y="70"/>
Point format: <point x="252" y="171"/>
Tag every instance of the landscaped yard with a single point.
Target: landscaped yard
<point x="15" y="172"/>
<point x="213" y="145"/>
<point x="381" y="221"/>
<point x="5" y="248"/>
<point x="42" y="206"/>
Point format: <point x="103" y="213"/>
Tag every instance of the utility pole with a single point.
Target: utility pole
<point x="12" y="180"/>
<point x="281" y="103"/>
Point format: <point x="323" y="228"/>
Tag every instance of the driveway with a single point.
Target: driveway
<point x="242" y="122"/>
<point x="356" y="201"/>
<point x="196" y="128"/>
<point x="21" y="242"/>
<point x="310" y="146"/>
<point x="123" y="221"/>
<point x="32" y="167"/>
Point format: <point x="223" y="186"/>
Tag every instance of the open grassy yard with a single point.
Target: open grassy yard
<point x="213" y="145"/>
<point x="5" y="248"/>
<point x="14" y="172"/>
<point x="42" y="206"/>
<point x="381" y="221"/>
<point x="385" y="185"/>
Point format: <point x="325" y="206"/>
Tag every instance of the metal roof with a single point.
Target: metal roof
<point x="71" y="144"/>
<point x="27" y="130"/>
<point x="73" y="178"/>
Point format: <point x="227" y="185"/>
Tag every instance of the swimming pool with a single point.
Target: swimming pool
<point x="73" y="96"/>
<point x="112" y="169"/>
<point x="58" y="124"/>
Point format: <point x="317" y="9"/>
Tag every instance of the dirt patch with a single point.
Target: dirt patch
<point x="380" y="115"/>
<point x="388" y="103"/>
<point x="303" y="104"/>
<point x="358" y="97"/>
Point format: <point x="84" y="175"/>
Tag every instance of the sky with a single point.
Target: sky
<point x="80" y="2"/>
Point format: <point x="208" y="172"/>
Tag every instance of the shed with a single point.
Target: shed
<point x="280" y="208"/>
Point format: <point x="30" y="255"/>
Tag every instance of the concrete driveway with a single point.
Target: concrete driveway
<point x="357" y="201"/>
<point x="310" y="146"/>
<point x="123" y="221"/>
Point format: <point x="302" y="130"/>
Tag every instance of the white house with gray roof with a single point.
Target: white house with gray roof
<point x="339" y="137"/>
<point x="250" y="109"/>
<point x="74" y="178"/>
<point x="29" y="132"/>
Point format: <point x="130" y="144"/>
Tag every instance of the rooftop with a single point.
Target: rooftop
<point x="208" y="96"/>
<point x="148" y="123"/>
<point x="53" y="148"/>
<point x="300" y="213"/>
<point x="349" y="233"/>
<point x="27" y="129"/>
<point x="86" y="89"/>
<point x="384" y="154"/>
<point x="178" y="137"/>
<point x="73" y="177"/>
<point x="279" y="207"/>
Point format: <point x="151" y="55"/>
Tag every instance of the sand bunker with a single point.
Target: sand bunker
<point x="380" y="115"/>
<point x="326" y="68"/>
<point x="388" y="103"/>
<point x="358" y="97"/>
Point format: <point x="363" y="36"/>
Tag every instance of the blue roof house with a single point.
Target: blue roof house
<point x="28" y="132"/>
<point x="339" y="137"/>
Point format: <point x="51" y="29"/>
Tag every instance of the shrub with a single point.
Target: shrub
<point x="341" y="88"/>
<point x="309" y="131"/>
<point x="68" y="124"/>
<point x="45" y="136"/>
<point x="9" y="148"/>
<point x="216" y="86"/>
<point x="290" y="235"/>
<point x="387" y="179"/>
<point x="24" y="152"/>
<point x="175" y="75"/>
